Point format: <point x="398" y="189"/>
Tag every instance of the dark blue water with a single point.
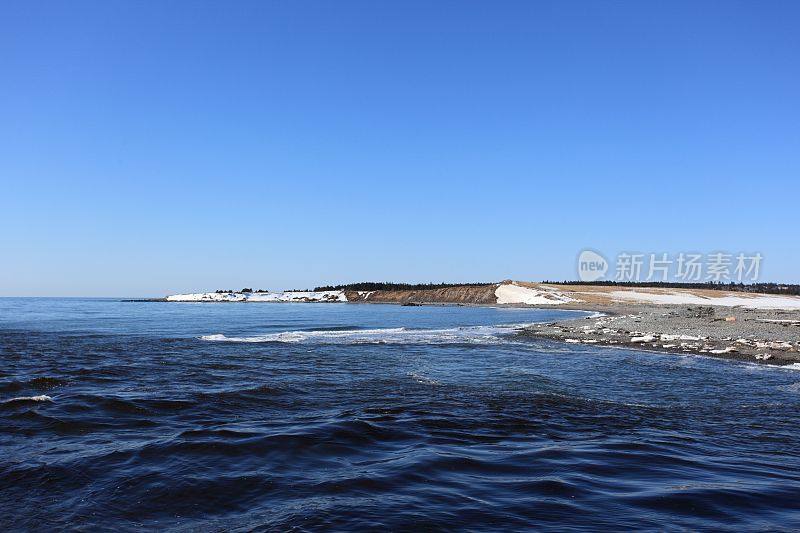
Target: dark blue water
<point x="375" y="417"/>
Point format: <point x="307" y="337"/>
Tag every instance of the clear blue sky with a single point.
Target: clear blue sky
<point x="156" y="147"/>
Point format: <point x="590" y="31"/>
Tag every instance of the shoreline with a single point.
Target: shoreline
<point x="770" y="337"/>
<point x="753" y="327"/>
<point x="753" y="335"/>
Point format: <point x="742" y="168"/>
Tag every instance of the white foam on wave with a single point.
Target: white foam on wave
<point x="424" y="380"/>
<point x="792" y="387"/>
<point x="40" y="398"/>
<point x="752" y="366"/>
<point x="460" y="335"/>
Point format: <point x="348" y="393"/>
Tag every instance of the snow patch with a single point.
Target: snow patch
<point x="297" y="296"/>
<point x="511" y="293"/>
<point x="761" y="301"/>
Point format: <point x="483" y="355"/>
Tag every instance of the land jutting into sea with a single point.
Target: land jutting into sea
<point x="742" y="325"/>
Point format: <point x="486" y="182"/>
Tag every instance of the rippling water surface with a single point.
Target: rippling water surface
<point x="334" y="416"/>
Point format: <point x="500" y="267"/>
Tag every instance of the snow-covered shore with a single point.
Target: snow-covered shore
<point x="517" y="293"/>
<point x="506" y="294"/>
<point x="298" y="296"/>
<point x="521" y="293"/>
<point x="748" y="301"/>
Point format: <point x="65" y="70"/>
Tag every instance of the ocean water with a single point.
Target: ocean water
<point x="130" y="416"/>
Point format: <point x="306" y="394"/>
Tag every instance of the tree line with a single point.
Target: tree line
<point x="243" y="291"/>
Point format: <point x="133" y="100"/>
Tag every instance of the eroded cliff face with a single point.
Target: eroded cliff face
<point x="484" y="294"/>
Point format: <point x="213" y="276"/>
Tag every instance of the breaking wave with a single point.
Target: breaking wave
<point x="461" y="335"/>
<point x="21" y="399"/>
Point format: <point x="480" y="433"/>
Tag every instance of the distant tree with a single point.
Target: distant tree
<point x="246" y="290"/>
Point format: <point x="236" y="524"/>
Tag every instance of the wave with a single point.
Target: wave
<point x="425" y="380"/>
<point x="751" y="366"/>
<point x="40" y="398"/>
<point x="461" y="335"/>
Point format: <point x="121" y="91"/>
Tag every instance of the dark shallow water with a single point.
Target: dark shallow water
<point x="376" y="417"/>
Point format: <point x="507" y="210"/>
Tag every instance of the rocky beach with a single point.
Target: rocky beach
<point x="770" y="336"/>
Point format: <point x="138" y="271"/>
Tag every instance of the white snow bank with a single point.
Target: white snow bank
<point x="516" y="294"/>
<point x="300" y="296"/>
<point x="304" y="296"/>
<point x="207" y="297"/>
<point x="761" y="301"/>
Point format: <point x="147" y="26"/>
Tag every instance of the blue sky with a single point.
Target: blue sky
<point x="156" y="147"/>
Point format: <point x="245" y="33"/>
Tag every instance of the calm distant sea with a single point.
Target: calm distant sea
<point x="119" y="415"/>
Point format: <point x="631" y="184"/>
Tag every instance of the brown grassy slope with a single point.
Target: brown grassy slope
<point x="482" y="294"/>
